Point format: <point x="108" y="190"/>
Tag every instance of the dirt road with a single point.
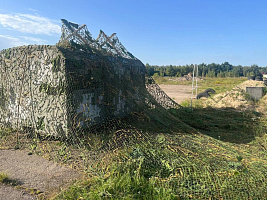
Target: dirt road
<point x="33" y="174"/>
<point x="178" y="93"/>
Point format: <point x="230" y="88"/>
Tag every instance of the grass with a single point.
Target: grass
<point x="203" y="153"/>
<point x="180" y="155"/>
<point x="184" y="154"/>
<point x="172" y="171"/>
<point x="4" y="177"/>
<point x="218" y="84"/>
<point x="220" y="157"/>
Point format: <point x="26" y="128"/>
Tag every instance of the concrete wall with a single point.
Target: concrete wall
<point x="101" y="88"/>
<point x="57" y="90"/>
<point x="255" y="92"/>
<point x="27" y="78"/>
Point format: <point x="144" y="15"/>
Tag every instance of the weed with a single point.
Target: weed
<point x="63" y="154"/>
<point x="4" y="177"/>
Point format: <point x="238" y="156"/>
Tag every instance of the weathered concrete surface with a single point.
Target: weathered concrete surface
<point x="31" y="86"/>
<point x="255" y="92"/>
<point x="58" y="90"/>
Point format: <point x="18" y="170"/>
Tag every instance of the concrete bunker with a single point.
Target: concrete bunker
<point x="80" y="82"/>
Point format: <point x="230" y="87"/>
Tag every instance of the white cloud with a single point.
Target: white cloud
<point x="7" y="41"/>
<point x="34" y="40"/>
<point x="27" y="23"/>
<point x="33" y="10"/>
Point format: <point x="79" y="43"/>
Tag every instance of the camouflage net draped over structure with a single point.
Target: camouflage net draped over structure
<point x="114" y="124"/>
<point x="59" y="90"/>
<point x="79" y="35"/>
<point x="159" y="95"/>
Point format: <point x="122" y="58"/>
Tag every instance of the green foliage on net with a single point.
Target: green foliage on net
<point x="53" y="90"/>
<point x="156" y="172"/>
<point x="56" y="64"/>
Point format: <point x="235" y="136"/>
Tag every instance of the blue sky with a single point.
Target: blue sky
<point x="157" y="32"/>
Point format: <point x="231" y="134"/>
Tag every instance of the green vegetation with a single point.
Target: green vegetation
<point x="204" y="153"/>
<point x="180" y="154"/>
<point x="52" y="90"/>
<point x="3" y="177"/>
<point x="206" y="70"/>
<point x="219" y="158"/>
<point x="218" y="84"/>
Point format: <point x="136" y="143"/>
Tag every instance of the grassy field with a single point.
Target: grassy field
<point x="203" y="153"/>
<point x="218" y="84"/>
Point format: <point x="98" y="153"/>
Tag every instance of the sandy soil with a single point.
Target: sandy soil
<point x="235" y="98"/>
<point x="31" y="172"/>
<point x="8" y="192"/>
<point x="178" y="93"/>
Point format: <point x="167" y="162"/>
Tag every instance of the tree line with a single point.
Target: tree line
<point x="207" y="70"/>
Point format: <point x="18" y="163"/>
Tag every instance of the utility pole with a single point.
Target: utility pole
<point x="194" y="83"/>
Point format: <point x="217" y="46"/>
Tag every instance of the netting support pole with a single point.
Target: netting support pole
<point x="194" y="85"/>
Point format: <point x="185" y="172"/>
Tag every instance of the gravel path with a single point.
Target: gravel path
<point x="32" y="172"/>
<point x="8" y="192"/>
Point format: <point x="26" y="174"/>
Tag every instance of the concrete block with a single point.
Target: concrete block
<point x="255" y="92"/>
<point x="61" y="90"/>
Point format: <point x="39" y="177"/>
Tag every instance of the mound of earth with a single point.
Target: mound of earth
<point x="236" y="98"/>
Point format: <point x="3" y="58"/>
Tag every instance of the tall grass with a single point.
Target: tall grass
<point x="167" y="154"/>
<point x="222" y="160"/>
<point x="168" y="171"/>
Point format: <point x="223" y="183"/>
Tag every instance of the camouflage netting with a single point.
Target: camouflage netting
<point x="78" y="83"/>
<point x="92" y="94"/>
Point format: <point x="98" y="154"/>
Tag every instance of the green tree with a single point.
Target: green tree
<point x="211" y="73"/>
<point x="150" y="70"/>
<point x="170" y="71"/>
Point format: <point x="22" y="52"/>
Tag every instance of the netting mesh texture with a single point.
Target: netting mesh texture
<point x="101" y="115"/>
<point x="150" y="141"/>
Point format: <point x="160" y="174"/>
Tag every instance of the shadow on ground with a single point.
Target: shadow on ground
<point x="228" y="124"/>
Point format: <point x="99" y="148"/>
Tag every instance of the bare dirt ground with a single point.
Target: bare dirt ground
<point x="32" y="175"/>
<point x="178" y="93"/>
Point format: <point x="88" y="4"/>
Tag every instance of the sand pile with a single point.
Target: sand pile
<point x="236" y="98"/>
